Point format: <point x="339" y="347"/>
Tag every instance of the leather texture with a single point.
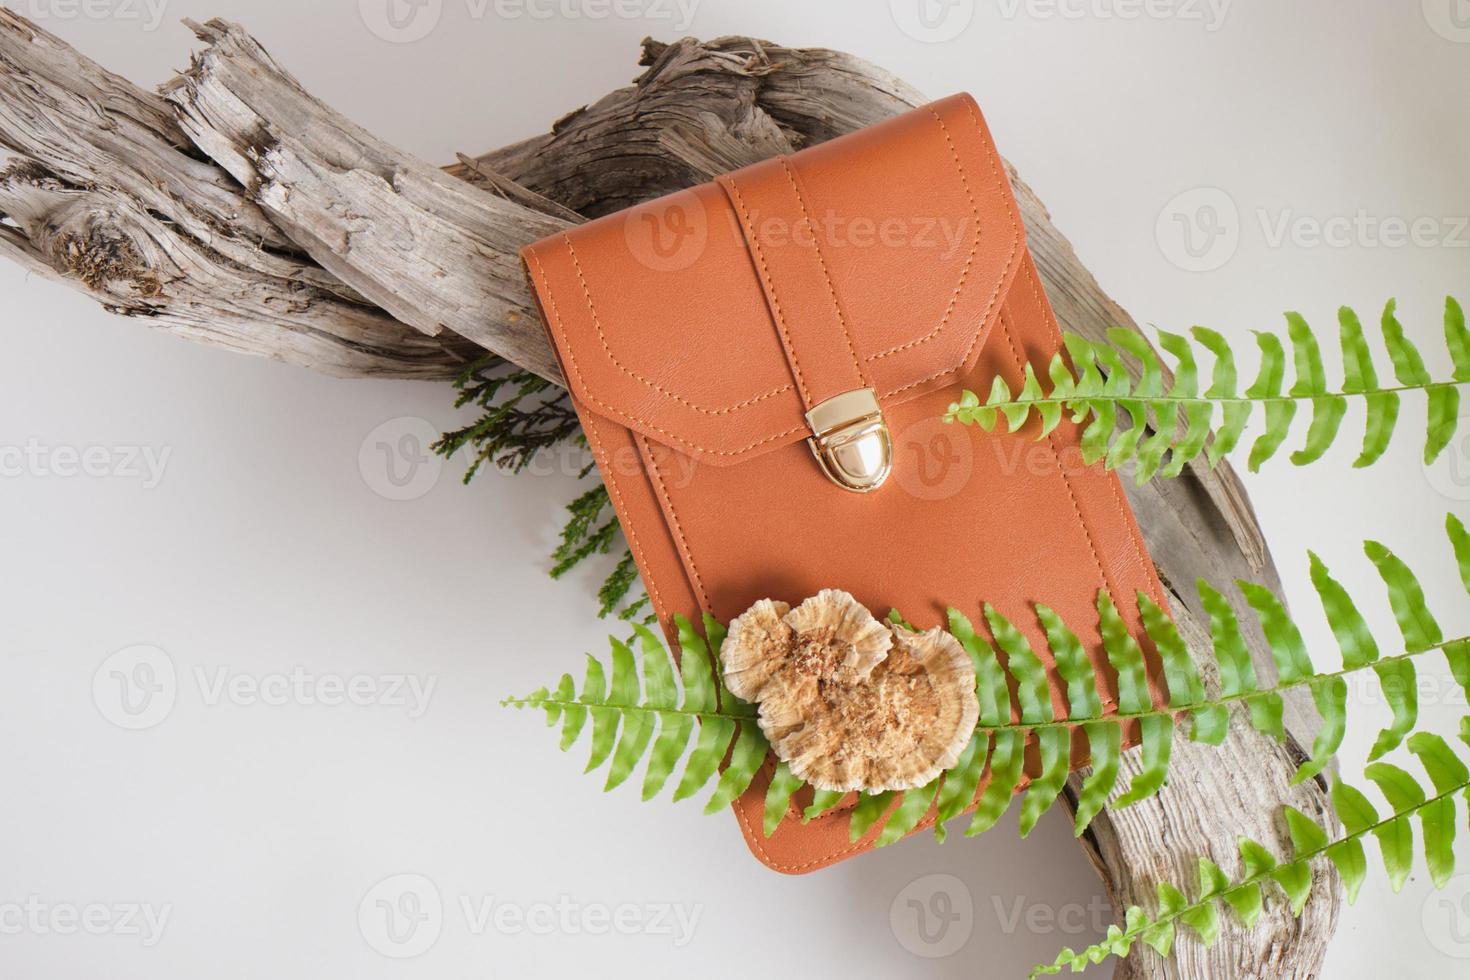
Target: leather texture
<point x="696" y="330"/>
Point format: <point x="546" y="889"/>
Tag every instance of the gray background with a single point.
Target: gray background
<point x="270" y="542"/>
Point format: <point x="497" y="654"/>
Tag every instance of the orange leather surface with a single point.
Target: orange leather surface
<point x="696" y="330"/>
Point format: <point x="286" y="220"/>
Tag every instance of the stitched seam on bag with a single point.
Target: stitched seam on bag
<point x="995" y="299"/>
<point x="974" y="241"/>
<point x="602" y="337"/>
<point x="990" y="306"/>
<point x="1138" y="545"/>
<point x="1055" y="455"/>
<point x="755" y="247"/>
<point x="576" y="371"/>
<point x="1123" y="511"/>
<point x="1107" y="701"/>
<point x="826" y="275"/>
<point x="758" y="840"/>
<point x="663" y="492"/>
<point x="600" y="451"/>
<point x="929" y="821"/>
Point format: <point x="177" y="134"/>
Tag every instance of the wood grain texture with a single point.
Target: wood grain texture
<point x="103" y="191"/>
<point x="435" y="252"/>
<point x="239" y="210"/>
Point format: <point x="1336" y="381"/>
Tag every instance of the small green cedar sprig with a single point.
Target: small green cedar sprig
<point x="522" y="414"/>
<point x="592" y="530"/>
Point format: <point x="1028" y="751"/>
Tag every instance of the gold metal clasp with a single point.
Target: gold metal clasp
<point x="851" y="441"/>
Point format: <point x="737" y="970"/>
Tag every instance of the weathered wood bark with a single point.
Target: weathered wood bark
<point x="105" y="192"/>
<point x="432" y="250"/>
<point x="240" y="210"/>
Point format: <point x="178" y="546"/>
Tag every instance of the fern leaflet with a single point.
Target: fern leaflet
<point x="1433" y="807"/>
<point x="1095" y="389"/>
<point x="654" y="716"/>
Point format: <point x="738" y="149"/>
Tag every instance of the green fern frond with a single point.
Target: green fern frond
<point x="1000" y="744"/>
<point x="1005" y="663"/>
<point x="1433" y="807"/>
<point x="651" y="714"/>
<point x="1096" y="389"/>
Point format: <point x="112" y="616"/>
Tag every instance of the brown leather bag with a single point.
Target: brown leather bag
<point x="747" y="354"/>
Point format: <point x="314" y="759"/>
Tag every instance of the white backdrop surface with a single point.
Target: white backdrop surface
<point x="238" y="533"/>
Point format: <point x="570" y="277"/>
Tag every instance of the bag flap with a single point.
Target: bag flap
<point x="712" y="319"/>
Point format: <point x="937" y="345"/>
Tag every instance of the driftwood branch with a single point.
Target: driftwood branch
<point x="431" y="250"/>
<point x="237" y="209"/>
<point x="105" y="192"/>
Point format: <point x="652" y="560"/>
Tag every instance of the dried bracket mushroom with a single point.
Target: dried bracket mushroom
<point x="848" y="702"/>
